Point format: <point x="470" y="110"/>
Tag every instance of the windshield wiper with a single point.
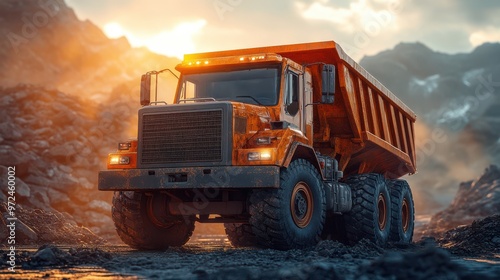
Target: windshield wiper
<point x="204" y="99"/>
<point x="251" y="97"/>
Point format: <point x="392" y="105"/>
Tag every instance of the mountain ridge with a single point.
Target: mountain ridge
<point x="48" y="45"/>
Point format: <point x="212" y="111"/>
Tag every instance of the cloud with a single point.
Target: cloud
<point x="358" y="14"/>
<point x="363" y="27"/>
<point x="489" y="34"/>
<point x="319" y="11"/>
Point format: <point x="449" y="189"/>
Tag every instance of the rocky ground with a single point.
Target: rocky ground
<point x="481" y="238"/>
<point x="206" y="260"/>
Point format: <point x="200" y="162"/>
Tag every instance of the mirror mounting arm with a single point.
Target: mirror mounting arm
<point x="146" y="86"/>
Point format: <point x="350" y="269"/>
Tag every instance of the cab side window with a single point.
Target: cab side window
<point x="292" y="94"/>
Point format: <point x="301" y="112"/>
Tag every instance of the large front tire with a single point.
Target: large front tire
<point x="132" y="214"/>
<point x="370" y="216"/>
<point x="293" y="215"/>
<point x="403" y="212"/>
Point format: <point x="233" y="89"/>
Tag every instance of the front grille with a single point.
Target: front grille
<point x="182" y="137"/>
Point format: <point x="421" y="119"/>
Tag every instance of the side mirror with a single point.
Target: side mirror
<point x="145" y="89"/>
<point x="328" y="84"/>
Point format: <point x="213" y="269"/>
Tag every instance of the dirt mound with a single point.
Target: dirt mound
<point x="474" y="200"/>
<point x="37" y="226"/>
<point x="481" y="238"/>
<point x="334" y="249"/>
<point x="51" y="256"/>
<point x="428" y="263"/>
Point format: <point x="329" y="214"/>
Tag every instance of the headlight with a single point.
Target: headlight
<point x="265" y="155"/>
<point x="119" y="160"/>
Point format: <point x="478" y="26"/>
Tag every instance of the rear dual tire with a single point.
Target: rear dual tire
<point x="403" y="212"/>
<point x="382" y="211"/>
<point x="370" y="215"/>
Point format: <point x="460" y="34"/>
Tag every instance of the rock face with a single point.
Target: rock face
<point x="58" y="143"/>
<point x="474" y="200"/>
<point x="68" y="95"/>
<point x="44" y="43"/>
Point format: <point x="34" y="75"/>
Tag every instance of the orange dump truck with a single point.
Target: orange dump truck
<point x="285" y="145"/>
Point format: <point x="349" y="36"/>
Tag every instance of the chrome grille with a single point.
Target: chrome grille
<point x="182" y="137"/>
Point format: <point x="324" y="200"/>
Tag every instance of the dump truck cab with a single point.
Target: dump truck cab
<point x="285" y="145"/>
<point x="268" y="95"/>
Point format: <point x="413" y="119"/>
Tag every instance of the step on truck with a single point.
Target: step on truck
<point x="285" y="145"/>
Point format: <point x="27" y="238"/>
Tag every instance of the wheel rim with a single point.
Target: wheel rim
<point x="381" y="205"/>
<point x="405" y="215"/>
<point x="301" y="205"/>
<point x="156" y="207"/>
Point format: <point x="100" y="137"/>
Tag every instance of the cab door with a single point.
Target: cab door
<point x="292" y="107"/>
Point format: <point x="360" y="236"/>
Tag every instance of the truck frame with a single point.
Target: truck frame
<point x="285" y="145"/>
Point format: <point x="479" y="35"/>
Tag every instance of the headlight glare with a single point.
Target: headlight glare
<point x="119" y="160"/>
<point x="264" y="155"/>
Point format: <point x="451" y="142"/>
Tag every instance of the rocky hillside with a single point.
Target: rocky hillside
<point x="58" y="142"/>
<point x="44" y="43"/>
<point x="474" y="200"/>
<point x="456" y="98"/>
<point x="68" y="94"/>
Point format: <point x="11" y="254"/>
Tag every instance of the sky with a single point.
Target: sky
<point x="361" y="27"/>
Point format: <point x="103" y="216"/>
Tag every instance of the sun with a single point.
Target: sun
<point x="113" y="30"/>
<point x="177" y="41"/>
<point x="173" y="42"/>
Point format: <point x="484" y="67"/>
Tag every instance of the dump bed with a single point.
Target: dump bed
<point x="367" y="128"/>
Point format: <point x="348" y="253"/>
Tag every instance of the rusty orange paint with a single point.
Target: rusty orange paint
<point x="366" y="129"/>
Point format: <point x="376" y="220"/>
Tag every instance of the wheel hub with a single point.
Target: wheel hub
<point x="157" y="211"/>
<point x="381" y="206"/>
<point x="405" y="215"/>
<point x="301" y="205"/>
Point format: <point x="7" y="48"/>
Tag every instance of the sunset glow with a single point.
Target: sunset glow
<point x="174" y="42"/>
<point x="177" y="41"/>
<point x="113" y="30"/>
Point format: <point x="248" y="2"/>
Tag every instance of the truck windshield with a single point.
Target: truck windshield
<point x="258" y="86"/>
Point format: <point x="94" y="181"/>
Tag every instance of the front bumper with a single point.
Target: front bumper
<point x="227" y="177"/>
